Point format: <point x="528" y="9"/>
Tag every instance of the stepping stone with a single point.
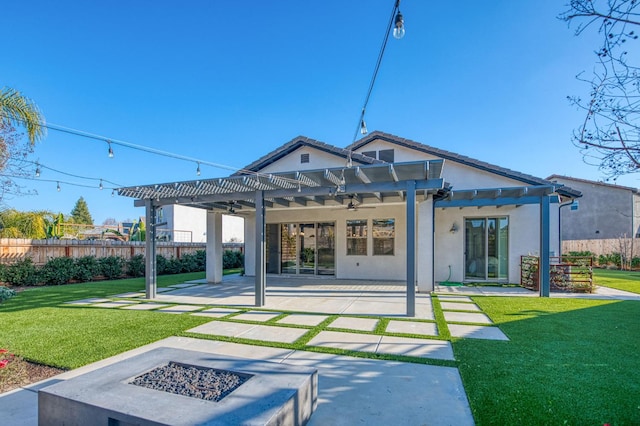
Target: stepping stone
<point x="466" y="317"/>
<point x="346" y="341"/>
<point x="179" y="309"/>
<point x="412" y="327"/>
<point x="164" y="289"/>
<point x="129" y="295"/>
<point x="87" y="301"/>
<point x="114" y="304"/>
<point x="182" y="285"/>
<point x="450" y="306"/>
<point x="145" y="306"/>
<point x="303" y="319"/>
<point x="223" y="328"/>
<point x="274" y="334"/>
<point x="351" y="323"/>
<point x="454" y="298"/>
<point x="477" y="332"/>
<point x="216" y="312"/>
<point x="422" y="348"/>
<point x="261" y="316"/>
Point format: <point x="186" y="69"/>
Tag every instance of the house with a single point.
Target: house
<point x="606" y="211"/>
<point x="189" y="224"/>
<point x="383" y="208"/>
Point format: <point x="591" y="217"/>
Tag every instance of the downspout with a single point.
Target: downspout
<point x="433" y="243"/>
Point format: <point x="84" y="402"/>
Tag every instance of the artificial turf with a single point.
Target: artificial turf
<point x="621" y="280"/>
<point x="568" y="361"/>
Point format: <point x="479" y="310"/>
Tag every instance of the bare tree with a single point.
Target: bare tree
<point x="609" y="136"/>
<point x="13" y="163"/>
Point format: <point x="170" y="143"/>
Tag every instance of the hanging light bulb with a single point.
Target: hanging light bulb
<point x="101" y="187"/>
<point x="198" y="170"/>
<point x="363" y="127"/>
<point x="113" y="192"/>
<point x="110" y="150"/>
<point x="299" y="187"/>
<point x="398" y="30"/>
<point x="58" y="188"/>
<point x="37" y="170"/>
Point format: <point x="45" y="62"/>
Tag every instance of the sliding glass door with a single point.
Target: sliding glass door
<point x="302" y="249"/>
<point x="486" y="249"/>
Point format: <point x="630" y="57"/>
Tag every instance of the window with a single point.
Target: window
<point x="371" y="154"/>
<point x="304" y="158"/>
<point x="384" y="233"/>
<point x="357" y="237"/>
<point x="386" y="155"/>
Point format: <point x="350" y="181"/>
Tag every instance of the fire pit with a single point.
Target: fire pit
<point x="168" y="386"/>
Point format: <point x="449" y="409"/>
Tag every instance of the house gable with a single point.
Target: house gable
<point x="290" y="156"/>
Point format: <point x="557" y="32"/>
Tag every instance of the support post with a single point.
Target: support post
<point x="260" y="288"/>
<point x="544" y="269"/>
<point x="150" y="251"/>
<point x="411" y="248"/>
<point x="214" y="247"/>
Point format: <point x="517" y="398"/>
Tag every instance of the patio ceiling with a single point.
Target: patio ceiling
<point x="375" y="183"/>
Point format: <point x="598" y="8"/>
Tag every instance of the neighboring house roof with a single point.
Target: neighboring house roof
<point x="301" y="141"/>
<point x="452" y="156"/>
<point x="594" y="182"/>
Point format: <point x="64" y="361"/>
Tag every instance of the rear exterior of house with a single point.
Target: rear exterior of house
<point x="477" y="239"/>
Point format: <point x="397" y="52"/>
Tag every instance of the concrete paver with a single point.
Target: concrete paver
<point x="347" y="341"/>
<point x="451" y="306"/>
<point x="479" y="318"/>
<point x="351" y="323"/>
<point x="446" y="298"/>
<point x="216" y="312"/>
<point x="88" y="301"/>
<point x="303" y="319"/>
<point x="145" y="306"/>
<point x="422" y="348"/>
<point x="257" y="316"/>
<point x="477" y="332"/>
<point x="114" y="304"/>
<point x="412" y="327"/>
<point x="130" y="295"/>
<point x="180" y="309"/>
<point x="272" y="333"/>
<point x="222" y="328"/>
<point x="183" y="285"/>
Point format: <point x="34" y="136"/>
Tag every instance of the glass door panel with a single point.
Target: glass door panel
<point x="325" y="247"/>
<point x="503" y="248"/>
<point x="307" y="245"/>
<point x="288" y="240"/>
<point x="475" y="244"/>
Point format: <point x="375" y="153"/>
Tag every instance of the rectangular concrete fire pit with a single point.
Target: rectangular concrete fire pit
<point x="262" y="393"/>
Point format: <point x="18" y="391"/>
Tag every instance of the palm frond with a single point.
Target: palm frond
<point x="19" y="110"/>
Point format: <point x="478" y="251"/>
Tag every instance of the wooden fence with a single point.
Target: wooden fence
<point x="624" y="246"/>
<point x="40" y="251"/>
<point x="568" y="273"/>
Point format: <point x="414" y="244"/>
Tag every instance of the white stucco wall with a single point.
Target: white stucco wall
<point x="317" y="160"/>
<point x="191" y="224"/>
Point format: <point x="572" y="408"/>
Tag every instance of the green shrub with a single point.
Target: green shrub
<point x="111" y="267"/>
<point x="6" y="293"/>
<point x="189" y="262"/>
<point x="174" y="266"/>
<point x="3" y="272"/>
<point x="201" y="260"/>
<point x="161" y="264"/>
<point x="232" y="259"/>
<point x="22" y="272"/>
<point x="86" y="268"/>
<point x="58" y="270"/>
<point x="136" y="266"/>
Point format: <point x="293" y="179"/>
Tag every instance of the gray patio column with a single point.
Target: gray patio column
<point x="260" y="277"/>
<point x="424" y="265"/>
<point x="150" y="273"/>
<point x="411" y="248"/>
<point x="544" y="278"/>
<point x="214" y="247"/>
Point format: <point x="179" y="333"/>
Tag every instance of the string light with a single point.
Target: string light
<point x="37" y="170"/>
<point x="101" y="187"/>
<point x="198" y="170"/>
<point x="396" y="21"/>
<point x="113" y="192"/>
<point x="58" y="187"/>
<point x="110" y="150"/>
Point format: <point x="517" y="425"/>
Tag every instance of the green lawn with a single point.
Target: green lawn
<point x="621" y="280"/>
<point x="37" y="325"/>
<point x="568" y="361"/>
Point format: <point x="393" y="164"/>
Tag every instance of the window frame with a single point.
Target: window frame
<point x="381" y="244"/>
<point x="353" y="237"/>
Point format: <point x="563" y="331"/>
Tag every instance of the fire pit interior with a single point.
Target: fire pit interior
<point x="210" y="384"/>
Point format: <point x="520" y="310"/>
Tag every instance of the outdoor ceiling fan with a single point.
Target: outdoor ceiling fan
<point x="354" y="206"/>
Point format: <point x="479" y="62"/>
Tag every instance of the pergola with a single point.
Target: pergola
<point x="371" y="184"/>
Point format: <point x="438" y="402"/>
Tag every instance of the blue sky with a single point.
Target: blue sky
<point x="228" y="82"/>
